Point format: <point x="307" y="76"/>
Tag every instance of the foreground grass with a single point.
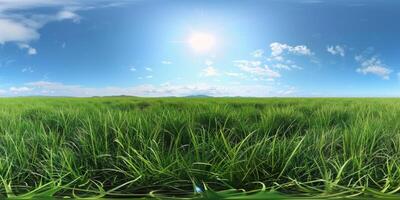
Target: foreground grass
<point x="119" y="147"/>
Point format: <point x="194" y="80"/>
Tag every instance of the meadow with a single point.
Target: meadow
<point x="188" y="147"/>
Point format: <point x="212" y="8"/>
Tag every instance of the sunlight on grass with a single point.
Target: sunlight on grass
<point x="212" y="148"/>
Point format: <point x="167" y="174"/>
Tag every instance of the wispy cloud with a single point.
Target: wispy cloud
<point x="132" y="68"/>
<point x="148" y="69"/>
<point x="27" y="69"/>
<point x="376" y="69"/>
<point x="166" y="62"/>
<point x="209" y="70"/>
<point x="256" y="68"/>
<point x="336" y="50"/>
<point x="373" y="65"/>
<point x="281" y="66"/>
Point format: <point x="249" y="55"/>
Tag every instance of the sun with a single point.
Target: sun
<point x="201" y="42"/>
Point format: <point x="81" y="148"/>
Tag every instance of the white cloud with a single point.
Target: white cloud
<point x="149" y="76"/>
<point x="14" y="31"/>
<point x="68" y="14"/>
<point x="258" y="53"/>
<point x="132" y="68"/>
<point x="336" y="50"/>
<point x="279" y="52"/>
<point x="169" y="89"/>
<point x="300" y="50"/>
<point x="17" y="90"/>
<point x="166" y="62"/>
<point x="376" y="69"/>
<point x="31" y="50"/>
<point x="373" y="65"/>
<point x="20" y="22"/>
<point x="24" y="29"/>
<point x="278" y="49"/>
<point x="209" y="71"/>
<point x="255" y="68"/>
<point x="149" y="69"/>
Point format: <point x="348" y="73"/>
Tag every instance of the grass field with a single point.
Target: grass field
<point x="120" y="146"/>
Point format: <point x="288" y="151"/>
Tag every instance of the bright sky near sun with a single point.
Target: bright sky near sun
<point x="257" y="48"/>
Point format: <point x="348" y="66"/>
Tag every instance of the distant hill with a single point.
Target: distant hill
<point x="127" y="96"/>
<point x="198" y="96"/>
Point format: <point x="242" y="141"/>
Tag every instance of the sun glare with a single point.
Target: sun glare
<point x="201" y="42"/>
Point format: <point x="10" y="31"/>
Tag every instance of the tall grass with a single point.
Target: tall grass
<point x="87" y="147"/>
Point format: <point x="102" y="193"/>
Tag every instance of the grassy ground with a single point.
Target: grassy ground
<point x="180" y="146"/>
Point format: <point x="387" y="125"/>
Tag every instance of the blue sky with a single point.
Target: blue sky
<point x="257" y="48"/>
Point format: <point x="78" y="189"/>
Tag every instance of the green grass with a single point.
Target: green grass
<point x="119" y="147"/>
